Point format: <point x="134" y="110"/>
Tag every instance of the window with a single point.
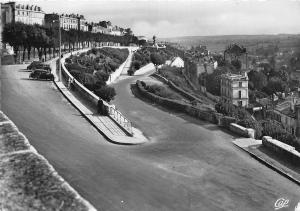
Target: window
<point x="240" y="84"/>
<point x="240" y="103"/>
<point x="240" y="94"/>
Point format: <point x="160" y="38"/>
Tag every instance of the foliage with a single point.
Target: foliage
<point x="143" y="56"/>
<point x="258" y="79"/>
<point x="231" y="110"/>
<point x="93" y="69"/>
<point x="107" y="93"/>
<point x="276" y="130"/>
<point x="213" y="80"/>
<point x="162" y="92"/>
<point x="274" y="85"/>
<point x="174" y="74"/>
<point x="156" y="59"/>
<point x="28" y="37"/>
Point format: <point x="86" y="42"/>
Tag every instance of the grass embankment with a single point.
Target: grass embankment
<point x="142" y="57"/>
<point x="168" y="93"/>
<point x="93" y="69"/>
<point x="27" y="181"/>
<point x="175" y="75"/>
<point x="163" y="92"/>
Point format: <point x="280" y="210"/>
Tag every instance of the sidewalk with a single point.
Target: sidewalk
<point x="250" y="146"/>
<point x="104" y="124"/>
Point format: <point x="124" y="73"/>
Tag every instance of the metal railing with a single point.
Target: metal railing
<point x="118" y="117"/>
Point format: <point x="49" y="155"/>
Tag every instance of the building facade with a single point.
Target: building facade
<point x="27" y="14"/>
<point x="67" y="22"/>
<point x="234" y="89"/>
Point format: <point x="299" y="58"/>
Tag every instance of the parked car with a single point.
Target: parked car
<point x="33" y="65"/>
<point x="41" y="74"/>
<point x="38" y="65"/>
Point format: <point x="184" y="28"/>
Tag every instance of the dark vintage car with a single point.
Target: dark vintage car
<point x="33" y="65"/>
<point x="38" y="65"/>
<point x="41" y="74"/>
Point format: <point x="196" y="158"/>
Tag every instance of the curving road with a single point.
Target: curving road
<point x="187" y="165"/>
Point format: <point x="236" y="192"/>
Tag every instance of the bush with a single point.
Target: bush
<point x="130" y="71"/>
<point x="162" y="92"/>
<point x="136" y="65"/>
<point x="226" y="120"/>
<point x="231" y="110"/>
<point x="106" y="93"/>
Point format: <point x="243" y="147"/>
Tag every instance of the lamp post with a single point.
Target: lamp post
<point x="59" y="59"/>
<point x="59" y="54"/>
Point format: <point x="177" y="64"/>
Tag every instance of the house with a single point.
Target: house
<point x="236" y="52"/>
<point x="234" y="89"/>
<point x="288" y="114"/>
<point x="175" y="62"/>
<point x="67" y="22"/>
<point x="12" y="12"/>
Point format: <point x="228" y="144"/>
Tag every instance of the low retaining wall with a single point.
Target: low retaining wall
<point x="240" y="130"/>
<point x="114" y="114"/>
<point x="282" y="148"/>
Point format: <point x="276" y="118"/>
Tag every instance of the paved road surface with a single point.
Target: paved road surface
<point x="188" y="165"/>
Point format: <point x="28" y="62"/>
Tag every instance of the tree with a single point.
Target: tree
<point x="156" y="59"/>
<point x="258" y="79"/>
<point x="212" y="81"/>
<point x="11" y="35"/>
<point x="275" y="85"/>
<point x="100" y="79"/>
<point x="106" y="93"/>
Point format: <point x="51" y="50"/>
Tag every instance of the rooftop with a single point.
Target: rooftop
<point x="233" y="77"/>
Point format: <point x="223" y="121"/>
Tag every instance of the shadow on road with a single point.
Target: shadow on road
<point x="25" y="70"/>
<point x="31" y="79"/>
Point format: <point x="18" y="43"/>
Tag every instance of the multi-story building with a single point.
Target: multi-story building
<point x="234" y="89"/>
<point x="67" y="22"/>
<point x="235" y="52"/>
<point x="28" y="14"/>
<point x="97" y="28"/>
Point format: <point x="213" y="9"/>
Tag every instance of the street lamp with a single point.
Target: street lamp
<point x="59" y="34"/>
<point x="59" y="56"/>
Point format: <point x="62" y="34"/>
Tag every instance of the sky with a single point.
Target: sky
<point x="174" y="18"/>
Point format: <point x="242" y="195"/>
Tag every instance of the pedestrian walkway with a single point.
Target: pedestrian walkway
<point x="246" y="142"/>
<point x="104" y="124"/>
<point x="127" y="65"/>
